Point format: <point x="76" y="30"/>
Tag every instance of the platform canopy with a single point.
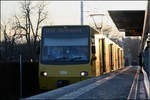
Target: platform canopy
<point x="130" y="21"/>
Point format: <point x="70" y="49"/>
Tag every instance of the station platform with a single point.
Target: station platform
<point x="126" y="83"/>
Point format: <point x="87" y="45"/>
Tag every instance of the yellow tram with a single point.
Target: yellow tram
<point x="73" y="53"/>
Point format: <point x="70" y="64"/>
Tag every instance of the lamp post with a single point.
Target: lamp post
<point x="101" y="21"/>
<point x="20" y="75"/>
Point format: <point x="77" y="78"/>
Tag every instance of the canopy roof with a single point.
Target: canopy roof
<point x="131" y="21"/>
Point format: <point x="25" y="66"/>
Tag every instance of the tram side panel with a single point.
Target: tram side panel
<point x="107" y="57"/>
<point x="104" y="54"/>
<point x="114" y="57"/>
<point x="101" y="55"/>
<point x="115" y="66"/>
<point x="123" y="58"/>
<point x="92" y="63"/>
<point x="120" y="58"/>
<point x="97" y="47"/>
<point x="111" y="56"/>
<point x="117" y="58"/>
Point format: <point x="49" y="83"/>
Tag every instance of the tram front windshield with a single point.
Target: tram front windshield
<point x="65" y="50"/>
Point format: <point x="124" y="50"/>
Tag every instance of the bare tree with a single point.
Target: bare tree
<point x="5" y="44"/>
<point x="42" y="15"/>
<point x="31" y="29"/>
<point x="29" y="23"/>
<point x="24" y="24"/>
<point x="9" y="41"/>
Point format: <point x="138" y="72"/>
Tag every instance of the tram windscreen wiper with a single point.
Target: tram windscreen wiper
<point x="61" y="58"/>
<point x="77" y="58"/>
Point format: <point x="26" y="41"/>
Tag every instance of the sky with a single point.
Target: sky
<point x="68" y="12"/>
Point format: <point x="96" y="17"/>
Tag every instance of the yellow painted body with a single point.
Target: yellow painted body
<point x="104" y="63"/>
<point x="54" y="74"/>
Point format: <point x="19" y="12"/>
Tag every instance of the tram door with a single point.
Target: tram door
<point x="118" y="58"/>
<point x="102" y="55"/>
<point x="121" y="59"/>
<point x="111" y="56"/>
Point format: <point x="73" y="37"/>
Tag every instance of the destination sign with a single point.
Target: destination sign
<point x="62" y="30"/>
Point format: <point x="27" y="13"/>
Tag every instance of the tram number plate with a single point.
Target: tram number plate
<point x="63" y="72"/>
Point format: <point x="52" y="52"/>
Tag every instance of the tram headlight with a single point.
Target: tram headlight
<point x="83" y="73"/>
<point x="44" y="73"/>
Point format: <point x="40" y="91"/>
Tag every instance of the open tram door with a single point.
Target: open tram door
<point x="111" y="57"/>
<point x="121" y="64"/>
<point x="118" y="58"/>
<point x="102" y="55"/>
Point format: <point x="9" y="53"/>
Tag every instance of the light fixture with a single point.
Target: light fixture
<point x="44" y="73"/>
<point x="83" y="73"/>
